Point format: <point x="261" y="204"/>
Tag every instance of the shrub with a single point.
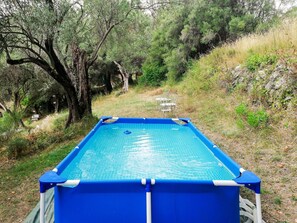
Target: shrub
<point x="80" y="128"/>
<point x="17" y="147"/>
<point x="255" y="61"/>
<point x="6" y="123"/>
<point x="153" y="74"/>
<point x="176" y="65"/>
<point x="59" y="123"/>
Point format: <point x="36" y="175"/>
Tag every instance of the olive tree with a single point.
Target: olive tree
<point x="63" y="37"/>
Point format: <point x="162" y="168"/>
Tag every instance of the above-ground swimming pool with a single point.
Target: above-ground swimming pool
<point x="147" y="170"/>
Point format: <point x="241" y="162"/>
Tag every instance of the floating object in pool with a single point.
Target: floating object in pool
<point x="127" y="132"/>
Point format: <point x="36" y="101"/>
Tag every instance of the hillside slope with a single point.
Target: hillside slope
<point x="244" y="96"/>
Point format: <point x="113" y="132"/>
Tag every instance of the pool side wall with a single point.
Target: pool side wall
<point x="172" y="201"/>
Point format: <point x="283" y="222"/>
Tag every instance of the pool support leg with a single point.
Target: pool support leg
<point x="42" y="208"/>
<point x="258" y="206"/>
<point x="148" y="188"/>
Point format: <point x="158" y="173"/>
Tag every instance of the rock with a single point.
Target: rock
<point x="279" y="83"/>
<point x="269" y="86"/>
<point x="262" y="74"/>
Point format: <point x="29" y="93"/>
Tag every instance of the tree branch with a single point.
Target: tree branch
<point x="99" y="45"/>
<point x="2" y="105"/>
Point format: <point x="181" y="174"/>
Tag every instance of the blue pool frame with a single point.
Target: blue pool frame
<point x="148" y="200"/>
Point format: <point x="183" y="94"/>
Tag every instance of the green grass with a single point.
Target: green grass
<point x="19" y="182"/>
<point x="33" y="166"/>
<point x="277" y="200"/>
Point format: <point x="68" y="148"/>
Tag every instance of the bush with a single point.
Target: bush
<point x="255" y="61"/>
<point x="153" y="74"/>
<point x="59" y="123"/>
<point x="6" y="123"/>
<point x="258" y="118"/>
<point x="17" y="147"/>
<point x="80" y="128"/>
<point x="176" y="65"/>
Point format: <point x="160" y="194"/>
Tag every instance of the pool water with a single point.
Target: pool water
<point x="125" y="151"/>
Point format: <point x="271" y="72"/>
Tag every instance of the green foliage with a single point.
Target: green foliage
<point x="6" y="123"/>
<point x="79" y="129"/>
<point x="17" y="147"/>
<point x="130" y="48"/>
<point x="255" y="61"/>
<point x="196" y="27"/>
<point x="241" y="109"/>
<point x="255" y="119"/>
<point x="36" y="142"/>
<point x="153" y="74"/>
<point x="176" y="65"/>
<point x="277" y="200"/>
<point x="59" y="123"/>
<point x="242" y="25"/>
<point x="25" y="101"/>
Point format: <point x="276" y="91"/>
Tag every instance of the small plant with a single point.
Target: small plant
<point x="17" y="147"/>
<point x="241" y="109"/>
<point x="253" y="118"/>
<point x="277" y="200"/>
<point x="276" y="159"/>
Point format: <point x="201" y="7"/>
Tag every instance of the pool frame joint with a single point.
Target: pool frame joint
<point x="148" y="183"/>
<point x="249" y="180"/>
<point x="49" y="180"/>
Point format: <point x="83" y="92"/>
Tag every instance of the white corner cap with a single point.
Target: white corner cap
<point x="153" y="181"/>
<point x="241" y="170"/>
<point x="55" y="170"/>
<point x="143" y="181"/>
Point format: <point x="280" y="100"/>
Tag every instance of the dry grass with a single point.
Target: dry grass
<point x="281" y="41"/>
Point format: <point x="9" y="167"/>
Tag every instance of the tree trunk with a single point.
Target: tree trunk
<point x="107" y="82"/>
<point x="73" y="106"/>
<point x="126" y="82"/>
<point x="57" y="104"/>
<point x="3" y="106"/>
<point x="125" y="76"/>
<point x="84" y="94"/>
<point x="80" y="65"/>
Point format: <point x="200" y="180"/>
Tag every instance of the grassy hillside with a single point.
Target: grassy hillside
<point x="260" y="136"/>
